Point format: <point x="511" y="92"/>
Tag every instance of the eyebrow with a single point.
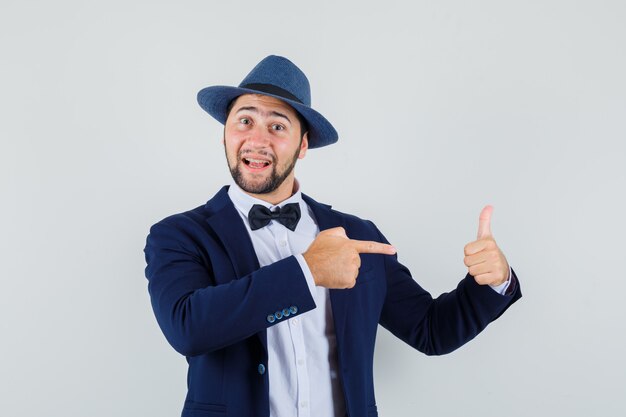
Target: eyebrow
<point x="255" y="110"/>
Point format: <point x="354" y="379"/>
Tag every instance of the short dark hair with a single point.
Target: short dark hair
<point x="304" y="126"/>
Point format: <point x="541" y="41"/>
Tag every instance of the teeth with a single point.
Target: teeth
<point x="257" y="161"/>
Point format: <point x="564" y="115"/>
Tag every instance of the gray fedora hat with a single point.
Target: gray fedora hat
<point x="278" y="77"/>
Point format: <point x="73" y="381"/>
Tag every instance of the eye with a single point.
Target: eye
<point x="277" y="126"/>
<point x="244" y="121"/>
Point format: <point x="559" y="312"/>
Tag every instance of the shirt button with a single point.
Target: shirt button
<point x="300" y="362"/>
<point x="294" y="321"/>
<point x="303" y="404"/>
<point x="261" y="369"/>
<point x="283" y="243"/>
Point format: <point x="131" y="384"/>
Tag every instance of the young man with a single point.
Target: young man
<point x="275" y="298"/>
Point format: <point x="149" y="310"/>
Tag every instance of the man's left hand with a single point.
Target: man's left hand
<point x="485" y="262"/>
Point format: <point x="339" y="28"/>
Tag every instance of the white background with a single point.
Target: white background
<point x="442" y="107"/>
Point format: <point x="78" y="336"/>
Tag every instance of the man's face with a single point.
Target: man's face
<point x="262" y="141"/>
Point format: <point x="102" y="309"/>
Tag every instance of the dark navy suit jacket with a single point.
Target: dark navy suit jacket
<point x="212" y="301"/>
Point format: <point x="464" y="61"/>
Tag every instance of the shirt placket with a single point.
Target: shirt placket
<point x="279" y="233"/>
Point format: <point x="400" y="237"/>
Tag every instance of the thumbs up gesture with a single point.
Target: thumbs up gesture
<point x="485" y="262"/>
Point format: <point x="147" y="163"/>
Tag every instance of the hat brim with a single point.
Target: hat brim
<point x="215" y="100"/>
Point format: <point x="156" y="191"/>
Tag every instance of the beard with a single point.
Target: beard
<point x="271" y="183"/>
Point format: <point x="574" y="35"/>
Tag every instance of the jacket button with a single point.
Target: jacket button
<point x="293" y="309"/>
<point x="261" y="369"/>
<point x="271" y="318"/>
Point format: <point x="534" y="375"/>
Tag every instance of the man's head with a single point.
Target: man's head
<point x="283" y="125"/>
<point x="263" y="138"/>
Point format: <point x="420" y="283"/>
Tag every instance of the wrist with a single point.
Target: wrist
<point x="311" y="264"/>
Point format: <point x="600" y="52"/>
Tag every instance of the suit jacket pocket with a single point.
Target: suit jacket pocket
<point x="198" y="409"/>
<point x="370" y="268"/>
<point x="365" y="275"/>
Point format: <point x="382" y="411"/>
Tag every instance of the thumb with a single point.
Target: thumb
<point x="484" y="222"/>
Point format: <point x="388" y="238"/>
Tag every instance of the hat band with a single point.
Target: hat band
<point x="272" y="89"/>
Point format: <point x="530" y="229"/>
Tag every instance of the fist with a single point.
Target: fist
<point x="484" y="260"/>
<point x="334" y="259"/>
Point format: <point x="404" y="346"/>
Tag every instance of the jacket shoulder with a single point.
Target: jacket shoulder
<point x="198" y="215"/>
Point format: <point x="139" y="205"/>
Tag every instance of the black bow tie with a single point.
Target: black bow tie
<point x="288" y="216"/>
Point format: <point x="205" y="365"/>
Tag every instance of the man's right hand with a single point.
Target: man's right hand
<point x="334" y="259"/>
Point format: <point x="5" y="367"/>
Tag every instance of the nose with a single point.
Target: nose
<point x="258" y="138"/>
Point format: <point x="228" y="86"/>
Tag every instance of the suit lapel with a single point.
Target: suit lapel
<point x="229" y="227"/>
<point x="327" y="219"/>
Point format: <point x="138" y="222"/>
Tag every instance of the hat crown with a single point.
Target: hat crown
<point x="278" y="71"/>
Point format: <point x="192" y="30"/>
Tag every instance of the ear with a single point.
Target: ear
<point x="304" y="145"/>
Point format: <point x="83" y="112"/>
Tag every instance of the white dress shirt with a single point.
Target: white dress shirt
<point x="301" y="350"/>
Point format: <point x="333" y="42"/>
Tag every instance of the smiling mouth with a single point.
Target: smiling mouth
<point x="256" y="163"/>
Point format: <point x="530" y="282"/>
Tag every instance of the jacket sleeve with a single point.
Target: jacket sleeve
<point x="196" y="314"/>
<point x="440" y="325"/>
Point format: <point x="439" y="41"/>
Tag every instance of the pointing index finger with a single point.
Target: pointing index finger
<point x="369" y="246"/>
